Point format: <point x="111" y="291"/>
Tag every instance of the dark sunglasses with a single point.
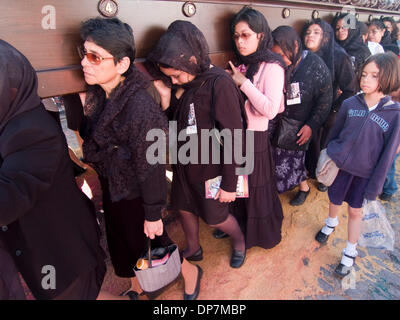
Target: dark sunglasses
<point x="92" y="57"/>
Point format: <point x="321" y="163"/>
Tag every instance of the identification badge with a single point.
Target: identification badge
<point x="294" y="96"/>
<point x="192" y="126"/>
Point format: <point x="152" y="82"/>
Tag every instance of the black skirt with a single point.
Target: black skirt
<point x="127" y="242"/>
<point x="260" y="216"/>
<point x="192" y="198"/>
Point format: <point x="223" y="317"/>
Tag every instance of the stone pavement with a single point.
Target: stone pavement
<point x="297" y="268"/>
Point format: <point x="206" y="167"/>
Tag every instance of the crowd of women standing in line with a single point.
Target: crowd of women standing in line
<point x="291" y="91"/>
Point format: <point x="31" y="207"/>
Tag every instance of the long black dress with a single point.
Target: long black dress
<point x="316" y="97"/>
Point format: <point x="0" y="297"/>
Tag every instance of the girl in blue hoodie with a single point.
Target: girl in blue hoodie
<point x="363" y="144"/>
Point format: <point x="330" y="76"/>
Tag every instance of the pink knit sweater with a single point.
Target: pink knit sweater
<point x="265" y="95"/>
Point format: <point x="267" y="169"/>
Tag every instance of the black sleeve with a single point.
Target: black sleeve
<point x="228" y="116"/>
<point x="154" y="193"/>
<point x="322" y="99"/>
<point x="73" y="111"/>
<point x="30" y="160"/>
<point x="345" y="80"/>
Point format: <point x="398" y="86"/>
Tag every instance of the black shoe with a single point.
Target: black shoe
<point x="300" y="197"/>
<point x="196" y="292"/>
<point x="385" y="196"/>
<point x="218" y="234"/>
<point x="322" y="237"/>
<point x="197" y="256"/>
<point x="342" y="270"/>
<point x="237" y="258"/>
<point x="133" y="295"/>
<point x="321" y="187"/>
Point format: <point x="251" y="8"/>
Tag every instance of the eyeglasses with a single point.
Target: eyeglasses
<point x="342" y="27"/>
<point x="245" y="36"/>
<point x="374" y="31"/>
<point x="92" y="57"/>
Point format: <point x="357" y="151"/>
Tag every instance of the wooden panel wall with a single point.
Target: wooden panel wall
<point x="53" y="53"/>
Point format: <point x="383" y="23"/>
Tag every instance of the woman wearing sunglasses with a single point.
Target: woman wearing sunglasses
<point x="118" y="114"/>
<point x="260" y="77"/>
<point x="348" y="35"/>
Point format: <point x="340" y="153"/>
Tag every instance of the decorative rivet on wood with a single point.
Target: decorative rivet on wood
<point x="189" y="9"/>
<point x="108" y="8"/>
<point x="286" y="13"/>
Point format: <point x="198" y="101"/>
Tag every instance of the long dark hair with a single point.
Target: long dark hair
<point x="290" y="43"/>
<point x="257" y="23"/>
<point x="394" y="26"/>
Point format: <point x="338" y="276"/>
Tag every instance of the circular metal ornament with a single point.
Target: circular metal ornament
<point x="108" y="8"/>
<point x="315" y="14"/>
<point x="189" y="9"/>
<point x="286" y="13"/>
<point x="370" y="17"/>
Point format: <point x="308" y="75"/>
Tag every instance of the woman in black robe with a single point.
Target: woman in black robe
<point x="48" y="226"/>
<point x="348" y="35"/>
<point x="118" y="114"/>
<point x="378" y="33"/>
<point x="318" y="37"/>
<point x="203" y="97"/>
<point x="308" y="103"/>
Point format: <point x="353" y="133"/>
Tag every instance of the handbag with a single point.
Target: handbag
<point x="286" y="134"/>
<point x="156" y="277"/>
<point x="327" y="170"/>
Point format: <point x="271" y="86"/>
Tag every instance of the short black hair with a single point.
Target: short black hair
<point x="112" y="35"/>
<point x="378" y="23"/>
<point x="389" y="71"/>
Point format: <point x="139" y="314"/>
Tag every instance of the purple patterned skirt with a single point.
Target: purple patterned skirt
<point x="289" y="168"/>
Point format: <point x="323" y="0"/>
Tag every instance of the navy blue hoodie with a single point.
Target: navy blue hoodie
<point x="363" y="143"/>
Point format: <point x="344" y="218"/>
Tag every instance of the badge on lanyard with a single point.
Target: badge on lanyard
<point x="192" y="126"/>
<point x="293" y="97"/>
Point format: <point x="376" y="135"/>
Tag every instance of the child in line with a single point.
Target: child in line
<point x="363" y="144"/>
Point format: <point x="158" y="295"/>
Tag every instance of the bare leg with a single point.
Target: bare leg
<point x="355" y="216"/>
<point x="304" y="186"/>
<point x="333" y="210"/>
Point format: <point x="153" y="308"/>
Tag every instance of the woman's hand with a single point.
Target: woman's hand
<point x="165" y="93"/>
<point x="304" y="134"/>
<point x="153" y="228"/>
<point x="238" y="77"/>
<point x="225" y="196"/>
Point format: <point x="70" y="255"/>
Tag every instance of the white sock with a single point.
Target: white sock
<point x="350" y="250"/>
<point x="332" y="222"/>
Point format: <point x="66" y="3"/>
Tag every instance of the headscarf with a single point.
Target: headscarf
<point x="328" y="45"/>
<point x="182" y="47"/>
<point x="263" y="53"/>
<point x="18" y="84"/>
<point x="286" y="38"/>
<point x="353" y="44"/>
